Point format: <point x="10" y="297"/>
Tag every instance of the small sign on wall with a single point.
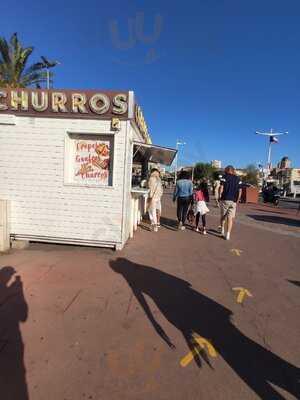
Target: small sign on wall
<point x="115" y="124"/>
<point x="88" y="160"/>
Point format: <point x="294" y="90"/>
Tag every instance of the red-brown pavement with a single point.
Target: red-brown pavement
<point x="102" y="324"/>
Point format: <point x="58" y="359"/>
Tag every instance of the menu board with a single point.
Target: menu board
<point x="91" y="162"/>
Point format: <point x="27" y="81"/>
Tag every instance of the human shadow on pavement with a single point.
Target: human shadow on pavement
<point x="193" y="313"/>
<point x="214" y="232"/>
<point x="13" y="311"/>
<point x="145" y="226"/>
<point x="268" y="210"/>
<point x="297" y="283"/>
<point x="275" y="219"/>
<point x="168" y="223"/>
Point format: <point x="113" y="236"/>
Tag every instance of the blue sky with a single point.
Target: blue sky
<point x="210" y="74"/>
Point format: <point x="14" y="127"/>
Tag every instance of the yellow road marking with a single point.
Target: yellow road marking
<point x="189" y="357"/>
<point x="200" y="343"/>
<point x="237" y="252"/>
<point x="242" y="293"/>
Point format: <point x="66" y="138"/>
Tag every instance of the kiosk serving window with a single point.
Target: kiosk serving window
<point x="88" y="160"/>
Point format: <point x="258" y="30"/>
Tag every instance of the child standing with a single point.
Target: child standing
<point x="201" y="196"/>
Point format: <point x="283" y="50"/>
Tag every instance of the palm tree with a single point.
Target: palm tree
<point x="14" y="69"/>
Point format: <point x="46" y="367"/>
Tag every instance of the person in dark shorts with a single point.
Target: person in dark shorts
<point x="229" y="195"/>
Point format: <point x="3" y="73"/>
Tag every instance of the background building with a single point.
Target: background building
<point x="284" y="163"/>
<point x="289" y="180"/>
<point x="216" y="164"/>
<point x="286" y="177"/>
<point x="241" y="172"/>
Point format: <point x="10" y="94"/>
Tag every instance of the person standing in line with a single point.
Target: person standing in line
<point x="154" y="200"/>
<point x="229" y="195"/>
<point x="201" y="196"/>
<point x="183" y="193"/>
<point x="216" y="191"/>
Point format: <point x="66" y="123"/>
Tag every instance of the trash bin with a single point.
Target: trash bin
<point x="249" y="195"/>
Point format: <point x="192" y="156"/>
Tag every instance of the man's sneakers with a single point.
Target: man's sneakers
<point x="203" y="231"/>
<point x="181" y="227"/>
<point x="226" y="235"/>
<point x="154" y="228"/>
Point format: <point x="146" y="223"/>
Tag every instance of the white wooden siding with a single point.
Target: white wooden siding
<point x="32" y="177"/>
<point x="127" y="183"/>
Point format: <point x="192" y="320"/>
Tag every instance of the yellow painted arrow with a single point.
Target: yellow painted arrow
<point x="237" y="252"/>
<point x="200" y="343"/>
<point x="242" y="293"/>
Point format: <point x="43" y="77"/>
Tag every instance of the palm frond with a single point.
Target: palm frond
<point x="39" y="66"/>
<point x="21" y="60"/>
<point x="14" y="69"/>
<point x="4" y="51"/>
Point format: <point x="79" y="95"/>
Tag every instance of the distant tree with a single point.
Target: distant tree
<point x="15" y="71"/>
<point x="216" y="175"/>
<point x="251" y="176"/>
<point x="203" y="170"/>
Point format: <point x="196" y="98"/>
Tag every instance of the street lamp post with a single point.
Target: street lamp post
<point x="48" y="77"/>
<point x="178" y="143"/>
<point x="49" y="64"/>
<point x="272" y="139"/>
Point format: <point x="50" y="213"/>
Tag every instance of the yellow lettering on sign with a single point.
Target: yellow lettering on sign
<point x="99" y="103"/>
<point x="78" y="103"/>
<point x="3" y="95"/>
<point x="59" y="101"/>
<point x="141" y="123"/>
<point x="19" y="99"/>
<point x="120" y="105"/>
<point x="41" y="105"/>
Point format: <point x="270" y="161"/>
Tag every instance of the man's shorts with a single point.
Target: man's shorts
<point x="228" y="208"/>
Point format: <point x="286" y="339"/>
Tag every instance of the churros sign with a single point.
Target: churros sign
<point x="92" y="161"/>
<point x="74" y="104"/>
<point x="64" y="103"/>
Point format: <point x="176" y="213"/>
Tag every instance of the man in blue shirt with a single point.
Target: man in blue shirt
<point x="183" y="193"/>
<point x="229" y="195"/>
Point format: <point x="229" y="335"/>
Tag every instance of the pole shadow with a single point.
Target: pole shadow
<point x="145" y="226"/>
<point x="13" y="311"/>
<point x="297" y="283"/>
<point x="276" y="220"/>
<point x="194" y="313"/>
<point x="214" y="232"/>
<point x="268" y="210"/>
<point x="169" y="223"/>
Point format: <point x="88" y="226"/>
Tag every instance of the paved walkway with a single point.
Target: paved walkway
<point x="84" y="323"/>
<point x="268" y="217"/>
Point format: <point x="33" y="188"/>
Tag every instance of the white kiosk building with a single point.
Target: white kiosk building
<point x="66" y="166"/>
